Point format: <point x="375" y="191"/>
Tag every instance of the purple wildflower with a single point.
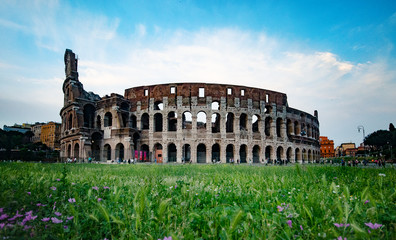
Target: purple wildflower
<point x="58" y="179"/>
<point x="96" y="188"/>
<point x="53" y="188"/>
<point x="367" y="201"/>
<point x="2" y="225"/>
<point x="38" y="204"/>
<point x="341" y="225"/>
<point x="65" y="227"/>
<point x="73" y="183"/>
<point x="289" y="222"/>
<point x="29" y="193"/>
<point x="27" y="227"/>
<point x="340" y="238"/>
<point x="3" y="216"/>
<point x="58" y="214"/>
<point x="72" y="200"/>
<point x="168" y="238"/>
<point x="99" y="199"/>
<point x="1" y="210"/>
<point x="280" y="209"/>
<point x="55" y="220"/>
<point x="373" y="226"/>
<point x="105" y="187"/>
<point x="54" y="206"/>
<point x="289" y="216"/>
<point x="301" y="227"/>
<point x="45" y="219"/>
<point x="70" y="218"/>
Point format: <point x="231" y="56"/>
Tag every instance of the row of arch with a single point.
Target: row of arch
<point x="201" y="153"/>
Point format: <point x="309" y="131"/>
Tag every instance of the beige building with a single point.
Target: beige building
<point x="50" y="134"/>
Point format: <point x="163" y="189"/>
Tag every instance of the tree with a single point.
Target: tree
<point x="378" y="138"/>
<point x="391" y="127"/>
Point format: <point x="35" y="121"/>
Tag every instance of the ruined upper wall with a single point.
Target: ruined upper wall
<point x="216" y="91"/>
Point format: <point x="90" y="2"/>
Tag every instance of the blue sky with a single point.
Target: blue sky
<point x="336" y="57"/>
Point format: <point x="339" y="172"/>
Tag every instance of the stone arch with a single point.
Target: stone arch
<point x="108" y="119"/>
<point x="145" y="121"/>
<point x="280" y="154"/>
<point x="215" y="105"/>
<point x="256" y="154"/>
<point x="230" y="122"/>
<point x="229" y="153"/>
<point x="201" y="153"/>
<point x="297" y="129"/>
<point x="309" y="131"/>
<point x="89" y="115"/>
<point x="297" y="155"/>
<point x="107" y="151"/>
<point x="144" y="153"/>
<point x="201" y="120"/>
<point x="289" y="127"/>
<point x="158" y="105"/>
<point x="187" y="120"/>
<point x="303" y="155"/>
<point x="119" y="151"/>
<point x="289" y="154"/>
<point x="158" y="157"/>
<point x="268" y="109"/>
<point x="310" y="159"/>
<point x="98" y="122"/>
<point x="69" y="151"/>
<point x="158" y="122"/>
<point x="256" y="123"/>
<point x="124" y="106"/>
<point x="96" y="139"/>
<point x="243" y="153"/>
<point x="186" y="153"/>
<point x="216" y="123"/>
<point x="70" y="121"/>
<point x="268" y="153"/>
<point x="76" y="151"/>
<point x="172" y="152"/>
<point x="243" y="122"/>
<point x="268" y="122"/>
<point x="216" y="152"/>
<point x="133" y="121"/>
<point x="172" y="121"/>
<point x="279" y="122"/>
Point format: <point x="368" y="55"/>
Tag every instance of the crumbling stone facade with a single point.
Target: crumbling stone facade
<point x="179" y="122"/>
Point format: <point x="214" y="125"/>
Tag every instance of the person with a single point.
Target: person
<point x="155" y="160"/>
<point x="89" y="160"/>
<point x="250" y="161"/>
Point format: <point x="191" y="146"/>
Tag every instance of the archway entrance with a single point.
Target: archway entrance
<point x="201" y="153"/>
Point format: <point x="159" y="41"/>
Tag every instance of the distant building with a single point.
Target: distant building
<point x="25" y="127"/>
<point x="36" y="129"/>
<point x="326" y="147"/>
<point x="346" y="149"/>
<point x="50" y="135"/>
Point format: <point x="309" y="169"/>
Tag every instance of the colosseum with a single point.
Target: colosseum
<point x="184" y="122"/>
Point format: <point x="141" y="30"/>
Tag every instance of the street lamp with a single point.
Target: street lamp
<point x="364" y="136"/>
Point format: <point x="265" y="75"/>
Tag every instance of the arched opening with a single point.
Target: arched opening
<point x="289" y="127"/>
<point x="70" y="122"/>
<point x="268" y="154"/>
<point x="119" y="151"/>
<point x="158" y="105"/>
<point x="158" y="122"/>
<point x="172" y="121"/>
<point x="268" y="109"/>
<point x="303" y="155"/>
<point x="201" y="153"/>
<point x="303" y="130"/>
<point x="297" y="155"/>
<point x="98" y="122"/>
<point x="96" y="139"/>
<point x="133" y="121"/>
<point x="216" y="152"/>
<point x="158" y="157"/>
<point x="186" y="153"/>
<point x="201" y="120"/>
<point x="243" y="122"/>
<point x="144" y="153"/>
<point x="145" y="121"/>
<point x="172" y="152"/>
<point x="268" y="122"/>
<point x="256" y="154"/>
<point x="107" y="151"/>
<point x="279" y="153"/>
<point x="77" y="151"/>
<point x="310" y="158"/>
<point x="279" y="123"/>
<point x="309" y="131"/>
<point x="215" y="123"/>
<point x="297" y="129"/>
<point x="108" y="120"/>
<point x="230" y="122"/>
<point x="242" y="153"/>
<point x="125" y="119"/>
<point x="124" y="106"/>
<point x="69" y="151"/>
<point x="136" y="140"/>
<point x="215" y="105"/>
<point x="187" y="120"/>
<point x="89" y="116"/>
<point x="289" y="153"/>
<point x="255" y="123"/>
<point x="230" y="153"/>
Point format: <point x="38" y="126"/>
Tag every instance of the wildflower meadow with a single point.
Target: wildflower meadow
<point x="95" y="201"/>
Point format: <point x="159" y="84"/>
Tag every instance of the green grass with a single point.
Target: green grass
<point x="196" y="201"/>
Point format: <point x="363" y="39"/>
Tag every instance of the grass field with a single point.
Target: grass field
<point x="94" y="201"/>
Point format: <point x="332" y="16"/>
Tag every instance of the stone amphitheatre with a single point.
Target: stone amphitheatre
<point x="184" y="122"/>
